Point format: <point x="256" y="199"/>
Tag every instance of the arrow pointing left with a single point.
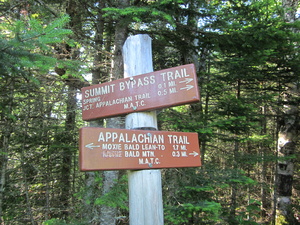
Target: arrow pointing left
<point x="92" y="146"/>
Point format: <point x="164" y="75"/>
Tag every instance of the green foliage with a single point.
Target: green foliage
<point x="28" y="44"/>
<point x="204" y="201"/>
<point x="117" y="197"/>
<point x="250" y="214"/>
<point x="55" y="221"/>
<point x="206" y="213"/>
<point x="145" y="14"/>
<point x="194" y="205"/>
<point x="88" y="200"/>
<point x="281" y="220"/>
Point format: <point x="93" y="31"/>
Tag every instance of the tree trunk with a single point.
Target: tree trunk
<point x="7" y="129"/>
<point x="108" y="214"/>
<point x="287" y="137"/>
<point x="92" y="212"/>
<point x="67" y="153"/>
<point x="4" y="140"/>
<point x="68" y="139"/>
<point x="23" y="166"/>
<point x="234" y="189"/>
<point x="263" y="176"/>
<point x="104" y="214"/>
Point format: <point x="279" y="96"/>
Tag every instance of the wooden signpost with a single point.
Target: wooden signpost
<point x="139" y="148"/>
<point x="144" y="186"/>
<point x="160" y="89"/>
<point x="119" y="149"/>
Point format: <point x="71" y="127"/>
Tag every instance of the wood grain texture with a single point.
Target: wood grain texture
<point x="145" y="190"/>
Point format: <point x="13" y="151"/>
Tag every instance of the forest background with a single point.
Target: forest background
<point x="247" y="61"/>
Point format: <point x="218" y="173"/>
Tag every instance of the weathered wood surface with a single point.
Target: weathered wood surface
<point x="145" y="190"/>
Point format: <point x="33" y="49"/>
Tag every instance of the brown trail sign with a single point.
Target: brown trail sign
<point x="115" y="149"/>
<point x="160" y="89"/>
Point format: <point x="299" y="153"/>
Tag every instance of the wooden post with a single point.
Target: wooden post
<point x="145" y="189"/>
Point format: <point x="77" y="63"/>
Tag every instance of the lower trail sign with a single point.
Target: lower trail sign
<point x="116" y="149"/>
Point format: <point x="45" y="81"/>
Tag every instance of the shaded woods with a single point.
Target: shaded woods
<point x="247" y="64"/>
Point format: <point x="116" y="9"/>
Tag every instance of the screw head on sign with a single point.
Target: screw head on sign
<point x="150" y="165"/>
<point x="131" y="78"/>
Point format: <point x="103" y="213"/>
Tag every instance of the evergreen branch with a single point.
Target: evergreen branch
<point x="10" y="9"/>
<point x="47" y="7"/>
<point x="22" y="41"/>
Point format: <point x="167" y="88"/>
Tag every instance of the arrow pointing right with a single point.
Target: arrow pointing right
<point x="194" y="153"/>
<point x="187" y="87"/>
<point x="186" y="80"/>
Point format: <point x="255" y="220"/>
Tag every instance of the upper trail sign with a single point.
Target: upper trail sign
<point x="160" y="89"/>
